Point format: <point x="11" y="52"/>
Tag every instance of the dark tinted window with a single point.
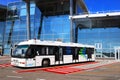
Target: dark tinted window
<point x="50" y="50"/>
<point x="68" y="50"/>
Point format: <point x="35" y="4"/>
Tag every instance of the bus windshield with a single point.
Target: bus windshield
<point x="20" y="51"/>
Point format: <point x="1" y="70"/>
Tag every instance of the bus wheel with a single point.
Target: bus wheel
<point x="46" y="63"/>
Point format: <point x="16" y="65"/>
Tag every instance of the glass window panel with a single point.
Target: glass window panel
<point x="32" y="11"/>
<point x="23" y="5"/>
<point x="23" y="24"/>
<point x="23" y="12"/>
<point x="13" y="11"/>
<point x="16" y="24"/>
<point x="18" y="5"/>
<point x="32" y="4"/>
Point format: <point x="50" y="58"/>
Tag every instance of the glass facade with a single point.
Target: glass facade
<point x="108" y="38"/>
<point x="55" y="27"/>
<point x="2" y="26"/>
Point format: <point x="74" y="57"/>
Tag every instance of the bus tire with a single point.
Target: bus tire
<point x="45" y="63"/>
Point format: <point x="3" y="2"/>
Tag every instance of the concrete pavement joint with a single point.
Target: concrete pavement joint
<point x="14" y="77"/>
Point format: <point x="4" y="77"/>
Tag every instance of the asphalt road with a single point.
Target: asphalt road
<point x="107" y="72"/>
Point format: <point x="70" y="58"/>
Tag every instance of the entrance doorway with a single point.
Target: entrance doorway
<point x="117" y="53"/>
<point x="98" y="47"/>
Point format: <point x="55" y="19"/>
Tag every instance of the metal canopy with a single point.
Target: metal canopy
<point x="53" y="7"/>
<point x="3" y="10"/>
<point x="58" y="7"/>
<point x="105" y="20"/>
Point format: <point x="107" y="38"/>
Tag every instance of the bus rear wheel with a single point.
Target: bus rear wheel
<point x="46" y="63"/>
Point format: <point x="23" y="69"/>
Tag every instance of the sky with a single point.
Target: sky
<point x="102" y="5"/>
<point x="5" y="2"/>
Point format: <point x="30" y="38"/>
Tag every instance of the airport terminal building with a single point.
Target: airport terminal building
<point x="65" y="20"/>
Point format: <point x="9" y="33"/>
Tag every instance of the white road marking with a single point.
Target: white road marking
<point x="14" y="77"/>
<point x="14" y="71"/>
<point x="40" y="79"/>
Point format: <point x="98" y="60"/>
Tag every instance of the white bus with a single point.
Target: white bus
<point x="34" y="53"/>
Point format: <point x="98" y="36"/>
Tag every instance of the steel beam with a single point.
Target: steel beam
<point x="71" y="22"/>
<point x="83" y="6"/>
<point x="28" y="19"/>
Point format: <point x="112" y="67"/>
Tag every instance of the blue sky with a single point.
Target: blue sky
<point x="5" y="2"/>
<point x="102" y="5"/>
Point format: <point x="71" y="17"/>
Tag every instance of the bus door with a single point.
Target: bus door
<point x="31" y="57"/>
<point x="89" y="52"/>
<point x="75" y="54"/>
<point x="58" y="54"/>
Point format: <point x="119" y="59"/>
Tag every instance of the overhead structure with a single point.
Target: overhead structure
<point x="83" y="6"/>
<point x="82" y="20"/>
<point x="3" y="10"/>
<point x="28" y="19"/>
<point x="98" y="20"/>
<point x="59" y="7"/>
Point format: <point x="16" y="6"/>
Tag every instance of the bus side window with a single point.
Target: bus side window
<point x="67" y="51"/>
<point x="37" y="52"/>
<point x="55" y="50"/>
<point x="31" y="53"/>
<point x="43" y="50"/>
<point x="50" y="50"/>
<point x="28" y="53"/>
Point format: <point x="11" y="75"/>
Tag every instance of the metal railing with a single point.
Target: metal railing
<point x="99" y="12"/>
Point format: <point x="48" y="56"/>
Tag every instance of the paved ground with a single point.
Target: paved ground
<point x="101" y="70"/>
